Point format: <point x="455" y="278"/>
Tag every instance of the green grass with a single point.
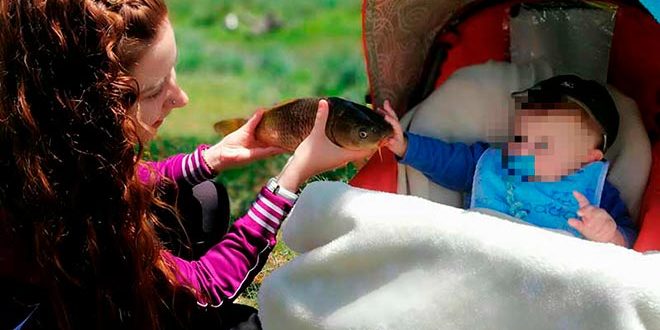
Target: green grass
<point x="317" y="51"/>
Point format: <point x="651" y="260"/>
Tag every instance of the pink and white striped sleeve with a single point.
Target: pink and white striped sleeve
<point x="230" y="266"/>
<point x="187" y="169"/>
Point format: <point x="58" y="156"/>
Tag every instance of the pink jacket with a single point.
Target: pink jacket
<point x="229" y="266"/>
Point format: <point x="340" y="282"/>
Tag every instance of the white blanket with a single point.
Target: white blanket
<point x="371" y="260"/>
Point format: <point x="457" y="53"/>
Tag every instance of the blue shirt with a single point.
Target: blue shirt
<point x="452" y="165"/>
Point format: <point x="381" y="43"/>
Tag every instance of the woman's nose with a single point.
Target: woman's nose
<point x="184" y="97"/>
<point x="179" y="99"/>
<point x="179" y="95"/>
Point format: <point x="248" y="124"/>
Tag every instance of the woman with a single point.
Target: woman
<point x="83" y="85"/>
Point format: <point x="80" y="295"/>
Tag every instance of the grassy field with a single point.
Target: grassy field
<point x="278" y="50"/>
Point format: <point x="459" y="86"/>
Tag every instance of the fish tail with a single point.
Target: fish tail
<point x="225" y="127"/>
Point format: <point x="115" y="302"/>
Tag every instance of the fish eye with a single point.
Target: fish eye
<point x="363" y="133"/>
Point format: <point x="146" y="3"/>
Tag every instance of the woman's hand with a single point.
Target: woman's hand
<point x="316" y="154"/>
<point x="240" y="147"/>
<point x="397" y="143"/>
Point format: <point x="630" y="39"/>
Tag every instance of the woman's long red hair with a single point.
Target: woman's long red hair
<point x="82" y="219"/>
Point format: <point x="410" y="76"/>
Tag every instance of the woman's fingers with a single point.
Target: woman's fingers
<point x="259" y="153"/>
<point x="321" y="117"/>
<point x="252" y="123"/>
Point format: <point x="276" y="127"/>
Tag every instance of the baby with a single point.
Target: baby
<point x="551" y="173"/>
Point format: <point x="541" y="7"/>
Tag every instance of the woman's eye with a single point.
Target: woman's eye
<point x="156" y="94"/>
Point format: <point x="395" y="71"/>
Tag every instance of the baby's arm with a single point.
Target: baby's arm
<point x="451" y="165"/>
<point x="599" y="225"/>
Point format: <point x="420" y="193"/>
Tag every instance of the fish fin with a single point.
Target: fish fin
<point x="227" y="126"/>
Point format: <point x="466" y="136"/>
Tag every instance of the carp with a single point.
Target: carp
<point x="350" y="125"/>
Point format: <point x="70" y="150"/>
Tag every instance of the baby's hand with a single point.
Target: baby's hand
<point x="397" y="143"/>
<point x="596" y="224"/>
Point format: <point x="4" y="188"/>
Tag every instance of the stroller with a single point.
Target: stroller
<point x="373" y="260"/>
<point x="413" y="47"/>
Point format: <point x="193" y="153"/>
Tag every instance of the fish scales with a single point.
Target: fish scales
<point x="288" y="124"/>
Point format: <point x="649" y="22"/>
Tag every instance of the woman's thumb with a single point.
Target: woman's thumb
<point x="254" y="120"/>
<point x="321" y="116"/>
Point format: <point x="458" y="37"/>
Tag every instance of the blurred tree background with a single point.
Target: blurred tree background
<point x="236" y="56"/>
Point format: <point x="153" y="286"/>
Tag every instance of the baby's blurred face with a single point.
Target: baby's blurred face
<point x="561" y="141"/>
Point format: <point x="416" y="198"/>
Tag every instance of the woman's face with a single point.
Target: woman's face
<point x="159" y="92"/>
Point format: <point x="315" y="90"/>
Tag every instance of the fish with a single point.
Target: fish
<point x="350" y="125"/>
